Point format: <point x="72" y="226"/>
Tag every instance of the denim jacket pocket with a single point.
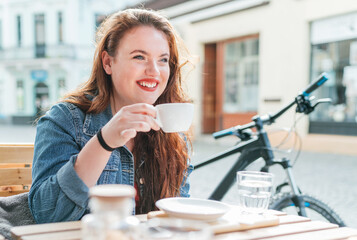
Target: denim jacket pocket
<point x="109" y="174"/>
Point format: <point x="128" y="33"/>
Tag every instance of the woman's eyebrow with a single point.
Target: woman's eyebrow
<point x="139" y="51"/>
<point x="144" y="52"/>
<point x="165" y="55"/>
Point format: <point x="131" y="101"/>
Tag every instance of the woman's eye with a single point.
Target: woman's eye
<point x="139" y="57"/>
<point x="165" y="60"/>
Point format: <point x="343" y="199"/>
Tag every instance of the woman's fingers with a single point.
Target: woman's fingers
<point x="139" y="126"/>
<point x="146" y="119"/>
<point x="140" y="112"/>
<point x="128" y="134"/>
<point x="140" y="108"/>
<point x="128" y="121"/>
<point x="131" y="130"/>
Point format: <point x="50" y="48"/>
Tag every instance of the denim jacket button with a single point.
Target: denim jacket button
<point x="141" y="181"/>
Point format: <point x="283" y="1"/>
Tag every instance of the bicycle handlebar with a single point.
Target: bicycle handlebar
<point x="268" y="119"/>
<point x="223" y="133"/>
<point x="314" y="85"/>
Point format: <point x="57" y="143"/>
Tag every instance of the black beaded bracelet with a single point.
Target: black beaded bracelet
<point x="102" y="142"/>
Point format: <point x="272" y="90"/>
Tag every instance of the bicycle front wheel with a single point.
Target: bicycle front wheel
<point x="315" y="209"/>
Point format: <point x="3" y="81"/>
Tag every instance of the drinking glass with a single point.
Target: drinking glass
<point x="254" y="190"/>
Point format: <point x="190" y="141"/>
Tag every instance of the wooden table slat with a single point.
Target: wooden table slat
<point x="328" y="234"/>
<point x="276" y="212"/>
<point x="291" y="227"/>
<point x="63" y="235"/>
<point x="15" y="176"/>
<point x="45" y="228"/>
<point x="281" y="230"/>
<point x="288" y="219"/>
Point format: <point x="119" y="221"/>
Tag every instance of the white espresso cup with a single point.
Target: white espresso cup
<point x="174" y="117"/>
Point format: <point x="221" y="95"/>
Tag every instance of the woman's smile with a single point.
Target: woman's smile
<point x="148" y="84"/>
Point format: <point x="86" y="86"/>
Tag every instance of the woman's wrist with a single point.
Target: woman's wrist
<point x="102" y="142"/>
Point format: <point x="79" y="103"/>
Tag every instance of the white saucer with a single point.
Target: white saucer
<point x="193" y="208"/>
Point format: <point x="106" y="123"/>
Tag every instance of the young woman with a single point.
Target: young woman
<point x="105" y="133"/>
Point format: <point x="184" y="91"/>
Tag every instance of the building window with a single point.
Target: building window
<point x="41" y="98"/>
<point x="40" y="40"/>
<point x="60" y="27"/>
<point x="19" y="30"/>
<point x="61" y="87"/>
<point x="20" y="95"/>
<point x="334" y="51"/>
<point x="241" y="76"/>
<point x="336" y="59"/>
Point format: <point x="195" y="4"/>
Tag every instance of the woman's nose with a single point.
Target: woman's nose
<point x="152" y="69"/>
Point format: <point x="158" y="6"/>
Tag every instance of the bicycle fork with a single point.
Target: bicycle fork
<point x="297" y="198"/>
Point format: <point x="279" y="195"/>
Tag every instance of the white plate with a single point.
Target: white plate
<point x="193" y="208"/>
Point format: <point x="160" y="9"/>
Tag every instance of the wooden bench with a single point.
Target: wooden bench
<point x="15" y="168"/>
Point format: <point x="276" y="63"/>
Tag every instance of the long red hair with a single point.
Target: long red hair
<point x="160" y="159"/>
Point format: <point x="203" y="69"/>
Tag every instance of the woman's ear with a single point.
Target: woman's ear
<point x="107" y="62"/>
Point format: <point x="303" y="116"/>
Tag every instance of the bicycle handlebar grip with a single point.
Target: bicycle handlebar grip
<point x="223" y="133"/>
<point x="317" y="83"/>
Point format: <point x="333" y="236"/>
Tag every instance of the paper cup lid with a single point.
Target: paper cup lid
<point x="112" y="191"/>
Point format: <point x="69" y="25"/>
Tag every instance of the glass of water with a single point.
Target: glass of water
<point x="254" y="190"/>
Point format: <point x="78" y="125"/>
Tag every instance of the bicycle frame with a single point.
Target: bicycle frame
<point x="252" y="149"/>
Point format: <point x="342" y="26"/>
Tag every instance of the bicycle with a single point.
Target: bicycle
<point x="254" y="146"/>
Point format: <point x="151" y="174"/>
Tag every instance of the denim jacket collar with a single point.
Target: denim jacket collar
<point x="94" y="122"/>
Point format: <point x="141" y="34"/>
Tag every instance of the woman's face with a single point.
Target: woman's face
<point x="140" y="68"/>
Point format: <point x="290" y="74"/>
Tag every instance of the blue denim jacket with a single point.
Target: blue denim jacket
<point x="57" y="193"/>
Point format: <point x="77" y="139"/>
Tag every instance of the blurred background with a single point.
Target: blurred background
<point x="254" y="56"/>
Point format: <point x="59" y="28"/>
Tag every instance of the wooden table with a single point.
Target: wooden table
<point x="289" y="227"/>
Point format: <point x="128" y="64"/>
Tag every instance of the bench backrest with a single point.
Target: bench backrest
<point x="15" y="168"/>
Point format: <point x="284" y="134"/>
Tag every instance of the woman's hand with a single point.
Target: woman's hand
<point x="127" y="122"/>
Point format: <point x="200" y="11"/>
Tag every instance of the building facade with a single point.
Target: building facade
<point x="46" y="49"/>
<point x="257" y="55"/>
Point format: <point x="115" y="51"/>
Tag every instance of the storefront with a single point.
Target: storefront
<point x="35" y="91"/>
<point x="334" y="50"/>
<point x="231" y="82"/>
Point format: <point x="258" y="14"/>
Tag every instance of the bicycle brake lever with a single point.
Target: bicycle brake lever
<point x="304" y="103"/>
<point x="322" y="100"/>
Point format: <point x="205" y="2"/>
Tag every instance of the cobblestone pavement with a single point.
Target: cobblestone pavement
<point x="330" y="177"/>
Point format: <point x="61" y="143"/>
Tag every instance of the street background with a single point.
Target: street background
<point x="331" y="178"/>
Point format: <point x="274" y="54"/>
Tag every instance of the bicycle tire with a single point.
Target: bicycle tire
<point x="283" y="202"/>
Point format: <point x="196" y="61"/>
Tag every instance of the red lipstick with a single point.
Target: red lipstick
<point x="148" y="84"/>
